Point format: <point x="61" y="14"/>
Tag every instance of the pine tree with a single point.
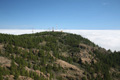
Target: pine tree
<point x="1" y="78"/>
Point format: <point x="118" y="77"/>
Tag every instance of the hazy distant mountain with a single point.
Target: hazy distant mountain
<point x="55" y="56"/>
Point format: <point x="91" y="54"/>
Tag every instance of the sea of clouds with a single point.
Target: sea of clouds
<point x="108" y="39"/>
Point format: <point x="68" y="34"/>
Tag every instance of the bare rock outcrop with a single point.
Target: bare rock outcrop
<point x="71" y="71"/>
<point x="9" y="77"/>
<point x="38" y="72"/>
<point x="4" y="62"/>
<point x="24" y="78"/>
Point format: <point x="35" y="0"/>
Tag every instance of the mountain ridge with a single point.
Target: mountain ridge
<point x="56" y="56"/>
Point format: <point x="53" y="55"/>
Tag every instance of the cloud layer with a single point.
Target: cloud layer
<point x="108" y="39"/>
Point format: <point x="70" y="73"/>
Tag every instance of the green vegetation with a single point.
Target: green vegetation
<point x="40" y="51"/>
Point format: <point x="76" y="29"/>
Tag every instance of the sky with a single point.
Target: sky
<point x="108" y="39"/>
<point x="60" y="14"/>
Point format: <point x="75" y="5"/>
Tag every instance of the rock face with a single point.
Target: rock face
<point x="4" y="62"/>
<point x="65" y="64"/>
<point x="72" y="72"/>
<point x="11" y="77"/>
<point x="85" y="55"/>
<point x="24" y="78"/>
<point x="38" y="72"/>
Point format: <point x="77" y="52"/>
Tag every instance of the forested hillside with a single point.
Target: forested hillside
<point x="55" y="56"/>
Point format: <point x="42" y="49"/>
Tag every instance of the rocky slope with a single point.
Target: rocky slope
<point x="55" y="56"/>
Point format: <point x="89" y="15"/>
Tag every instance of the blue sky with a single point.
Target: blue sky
<point x="66" y="14"/>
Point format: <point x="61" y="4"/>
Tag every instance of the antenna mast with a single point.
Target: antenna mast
<point x="32" y="30"/>
<point x="56" y="27"/>
<point x="52" y="29"/>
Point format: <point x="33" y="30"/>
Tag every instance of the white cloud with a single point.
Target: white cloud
<point x="19" y="31"/>
<point x="108" y="39"/>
